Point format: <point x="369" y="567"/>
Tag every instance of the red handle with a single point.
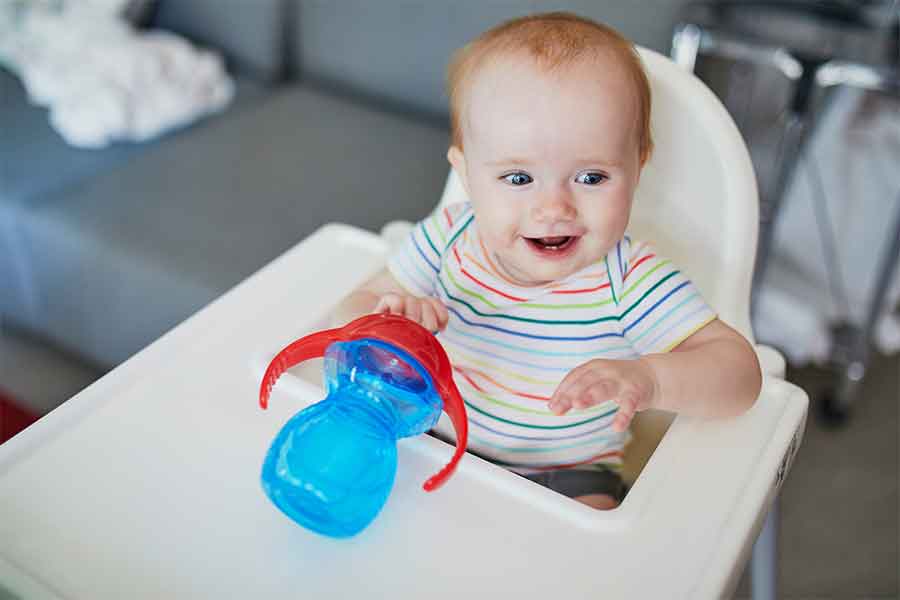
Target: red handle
<point x="310" y="346"/>
<point x="407" y="335"/>
<point x="454" y="407"/>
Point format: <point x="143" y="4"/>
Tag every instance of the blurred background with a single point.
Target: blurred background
<point x="154" y="153"/>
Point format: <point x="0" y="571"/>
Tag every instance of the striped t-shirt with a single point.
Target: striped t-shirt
<point x="511" y="345"/>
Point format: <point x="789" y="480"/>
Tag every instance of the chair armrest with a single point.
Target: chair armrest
<point x="395" y="232"/>
<point x="771" y="361"/>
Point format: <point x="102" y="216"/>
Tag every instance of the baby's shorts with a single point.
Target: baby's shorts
<point x="577" y="482"/>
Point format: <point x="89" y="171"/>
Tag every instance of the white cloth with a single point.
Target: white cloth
<point x="102" y="81"/>
<point x="856" y="149"/>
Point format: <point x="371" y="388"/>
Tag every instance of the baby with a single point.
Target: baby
<point x="559" y="326"/>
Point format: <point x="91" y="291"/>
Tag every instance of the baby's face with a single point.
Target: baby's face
<point x="550" y="163"/>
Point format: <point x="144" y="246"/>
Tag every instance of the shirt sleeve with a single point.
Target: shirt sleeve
<point x="659" y="307"/>
<point x="416" y="263"/>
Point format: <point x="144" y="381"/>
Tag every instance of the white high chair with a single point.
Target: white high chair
<point x="697" y="201"/>
<point x="146" y="484"/>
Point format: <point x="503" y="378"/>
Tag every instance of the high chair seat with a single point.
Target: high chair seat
<point x="146" y="484"/>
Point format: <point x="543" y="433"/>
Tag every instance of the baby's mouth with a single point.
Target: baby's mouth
<point x="552" y="245"/>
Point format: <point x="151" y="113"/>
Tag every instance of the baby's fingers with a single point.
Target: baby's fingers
<point x="429" y="319"/>
<point x="412" y="310"/>
<point x="582" y="391"/>
<point x="627" y="409"/>
<point x="443" y="315"/>
<point x="390" y="304"/>
<point x="436" y="310"/>
<point x="568" y="390"/>
<point x="597" y="392"/>
<point x="428" y="312"/>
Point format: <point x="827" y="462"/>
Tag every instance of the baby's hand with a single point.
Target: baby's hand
<point x="428" y="312"/>
<point x="631" y="384"/>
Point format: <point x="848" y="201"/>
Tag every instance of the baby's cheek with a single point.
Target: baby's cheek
<point x="624" y="203"/>
<point x="613" y="219"/>
<point x="492" y="222"/>
<point x="497" y="234"/>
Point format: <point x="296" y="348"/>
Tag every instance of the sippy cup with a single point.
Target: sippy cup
<point x="332" y="465"/>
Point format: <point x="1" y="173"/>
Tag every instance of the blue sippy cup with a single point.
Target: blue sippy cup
<point x="332" y="465"/>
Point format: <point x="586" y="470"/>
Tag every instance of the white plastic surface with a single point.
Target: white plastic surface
<point x="771" y="361"/>
<point x="146" y="484"/>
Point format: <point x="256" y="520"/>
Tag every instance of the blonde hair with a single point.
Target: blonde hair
<point x="553" y="40"/>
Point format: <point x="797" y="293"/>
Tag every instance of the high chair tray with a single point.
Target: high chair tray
<point x="146" y="484"/>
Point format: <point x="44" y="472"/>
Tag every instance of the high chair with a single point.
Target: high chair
<point x="697" y="201"/>
<point x="146" y="485"/>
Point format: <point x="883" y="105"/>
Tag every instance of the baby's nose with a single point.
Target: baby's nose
<point x="555" y="206"/>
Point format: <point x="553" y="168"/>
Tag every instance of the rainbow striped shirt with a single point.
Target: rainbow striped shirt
<point x="511" y="346"/>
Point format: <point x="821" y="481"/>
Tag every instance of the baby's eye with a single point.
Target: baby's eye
<point x="591" y="178"/>
<point x="517" y="178"/>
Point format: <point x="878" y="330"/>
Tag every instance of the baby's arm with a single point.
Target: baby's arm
<point x="712" y="373"/>
<point x="384" y="294"/>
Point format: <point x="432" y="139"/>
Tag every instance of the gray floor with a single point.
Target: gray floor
<point x="839" y="532"/>
<point x="839" y="527"/>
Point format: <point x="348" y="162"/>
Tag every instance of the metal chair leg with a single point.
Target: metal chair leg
<point x="853" y="344"/>
<point x="764" y="562"/>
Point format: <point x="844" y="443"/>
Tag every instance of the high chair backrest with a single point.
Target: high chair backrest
<point x="697" y="199"/>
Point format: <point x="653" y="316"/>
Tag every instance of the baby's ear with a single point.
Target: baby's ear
<point x="458" y="161"/>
